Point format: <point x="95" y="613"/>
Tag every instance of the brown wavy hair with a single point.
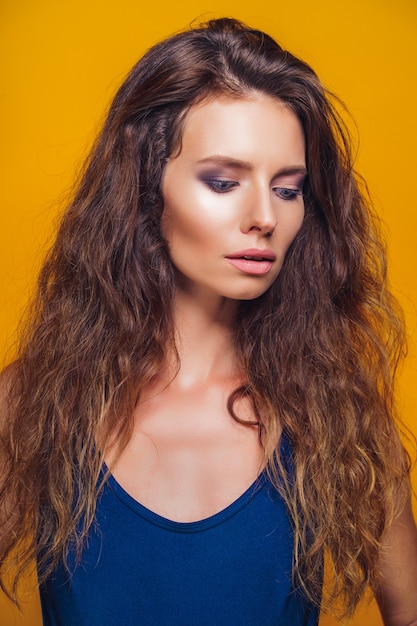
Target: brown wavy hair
<point x="319" y="348"/>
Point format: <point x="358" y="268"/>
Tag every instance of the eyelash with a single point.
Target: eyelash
<point x="225" y="186"/>
<point x="216" y="185"/>
<point x="287" y="194"/>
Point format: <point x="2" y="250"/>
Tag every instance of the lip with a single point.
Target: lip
<point x="253" y="261"/>
<point x="257" y="254"/>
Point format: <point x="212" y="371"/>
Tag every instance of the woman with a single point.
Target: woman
<point x="202" y="407"/>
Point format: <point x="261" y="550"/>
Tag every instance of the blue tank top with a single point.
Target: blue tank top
<point x="141" y="569"/>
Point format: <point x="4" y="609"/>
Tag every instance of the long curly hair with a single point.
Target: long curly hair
<point x="319" y="348"/>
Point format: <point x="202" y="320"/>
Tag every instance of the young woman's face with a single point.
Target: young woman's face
<point x="233" y="196"/>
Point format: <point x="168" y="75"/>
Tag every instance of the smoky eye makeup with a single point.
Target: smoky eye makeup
<point x="294" y="182"/>
<point x="220" y="185"/>
<point x="287" y="184"/>
<point x="220" y="181"/>
<point x="287" y="193"/>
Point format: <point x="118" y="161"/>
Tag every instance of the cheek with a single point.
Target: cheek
<point x="298" y="225"/>
<point x="293" y="226"/>
<point x="194" y="218"/>
<point x="187" y="228"/>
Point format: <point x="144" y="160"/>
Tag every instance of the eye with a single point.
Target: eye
<point x="286" y="193"/>
<point x="220" y="185"/>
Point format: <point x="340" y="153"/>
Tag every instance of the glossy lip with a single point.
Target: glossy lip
<point x="260" y="261"/>
<point x="256" y="254"/>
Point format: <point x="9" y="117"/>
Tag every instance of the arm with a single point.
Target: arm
<point x="397" y="592"/>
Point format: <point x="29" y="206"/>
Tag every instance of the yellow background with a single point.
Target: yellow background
<point x="62" y="61"/>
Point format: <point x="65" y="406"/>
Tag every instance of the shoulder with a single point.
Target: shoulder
<point x="396" y="593"/>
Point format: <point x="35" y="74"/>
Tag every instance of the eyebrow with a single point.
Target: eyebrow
<point x="247" y="165"/>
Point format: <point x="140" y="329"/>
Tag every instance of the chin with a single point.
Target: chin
<point x="249" y="294"/>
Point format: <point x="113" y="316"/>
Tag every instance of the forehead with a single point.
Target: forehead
<point x="244" y="128"/>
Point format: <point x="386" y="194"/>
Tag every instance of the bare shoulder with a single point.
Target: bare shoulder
<point x="397" y="592"/>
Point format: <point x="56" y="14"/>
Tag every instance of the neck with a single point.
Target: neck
<point x="204" y="331"/>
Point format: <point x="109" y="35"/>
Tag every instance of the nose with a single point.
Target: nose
<point x="260" y="214"/>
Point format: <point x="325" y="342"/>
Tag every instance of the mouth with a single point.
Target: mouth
<point x="254" y="261"/>
<point x="253" y="254"/>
